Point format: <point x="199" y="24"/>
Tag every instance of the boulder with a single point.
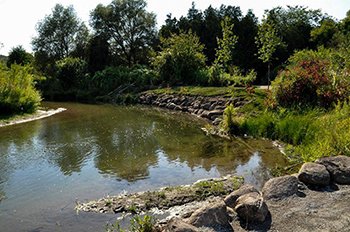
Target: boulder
<point x="314" y="174"/>
<point x="280" y="187"/>
<point x="178" y="225"/>
<point x="338" y="167"/>
<point x="231" y="199"/>
<point x="212" y="215"/>
<point x="251" y="207"/>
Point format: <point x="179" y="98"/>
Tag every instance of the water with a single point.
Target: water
<point x="90" y="151"/>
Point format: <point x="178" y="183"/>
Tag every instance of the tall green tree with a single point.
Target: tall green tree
<point x="18" y="55"/>
<point x="267" y="41"/>
<point x="131" y="29"/>
<point x="226" y="44"/>
<point x="60" y="34"/>
<point x="181" y="59"/>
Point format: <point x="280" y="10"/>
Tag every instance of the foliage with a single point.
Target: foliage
<point x="17" y="92"/>
<point x="226" y="43"/>
<point x="138" y="224"/>
<point x="60" y="34"/>
<point x="313" y="78"/>
<point x="181" y="60"/>
<point x="268" y="41"/>
<point x="130" y="28"/>
<point x="119" y="79"/>
<point x="231" y="120"/>
<point x="18" y="55"/>
<point x="324" y="34"/>
<point x="71" y="72"/>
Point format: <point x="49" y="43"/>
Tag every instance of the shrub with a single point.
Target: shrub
<point x="71" y="72"/>
<point x="17" y="92"/>
<point x="313" y="78"/>
<point x="181" y="60"/>
<point x="118" y="78"/>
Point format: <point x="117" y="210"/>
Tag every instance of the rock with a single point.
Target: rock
<point x="212" y="215"/>
<point x="338" y="167"/>
<point x="206" y="106"/>
<point x="280" y="187"/>
<point x="231" y="199"/>
<point x="251" y="207"/>
<point x="215" y="113"/>
<point x="314" y="174"/>
<point x="178" y="225"/>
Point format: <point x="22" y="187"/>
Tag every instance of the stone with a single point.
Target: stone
<point x="215" y="113"/>
<point x="206" y="106"/>
<point x="178" y="225"/>
<point x="338" y="167"/>
<point x="212" y="215"/>
<point x="251" y="207"/>
<point x="280" y="187"/>
<point x="230" y="200"/>
<point x="314" y="174"/>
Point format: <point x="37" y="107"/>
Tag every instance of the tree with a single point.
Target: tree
<point x="18" y="55"/>
<point x="181" y="59"/>
<point x="267" y="41"/>
<point x="226" y="44"/>
<point x="60" y="34"/>
<point x="323" y="35"/>
<point x="131" y="29"/>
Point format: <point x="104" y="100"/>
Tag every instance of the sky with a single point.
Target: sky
<point x="18" y="18"/>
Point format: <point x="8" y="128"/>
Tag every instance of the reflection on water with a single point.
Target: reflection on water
<point x="90" y="151"/>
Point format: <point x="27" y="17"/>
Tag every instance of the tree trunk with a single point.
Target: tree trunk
<point x="268" y="76"/>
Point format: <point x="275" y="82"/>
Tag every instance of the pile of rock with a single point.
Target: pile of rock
<point x="210" y="108"/>
<point x="250" y="206"/>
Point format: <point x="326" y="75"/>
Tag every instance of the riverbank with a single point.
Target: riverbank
<point x="39" y="114"/>
<point x="310" y="200"/>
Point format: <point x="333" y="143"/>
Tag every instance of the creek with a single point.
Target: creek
<point x="91" y="151"/>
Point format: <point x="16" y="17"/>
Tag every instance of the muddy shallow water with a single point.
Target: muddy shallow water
<point x="90" y="151"/>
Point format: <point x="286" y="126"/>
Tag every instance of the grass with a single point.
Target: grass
<point x="311" y="133"/>
<point x="205" y="91"/>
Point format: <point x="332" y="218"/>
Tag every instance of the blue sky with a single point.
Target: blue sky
<point x="19" y="17"/>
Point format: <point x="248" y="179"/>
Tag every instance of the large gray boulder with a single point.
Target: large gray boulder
<point x="230" y="200"/>
<point x="338" y="167"/>
<point x="178" y="225"/>
<point x="251" y="207"/>
<point x="212" y="215"/>
<point x="314" y="174"/>
<point x="280" y="187"/>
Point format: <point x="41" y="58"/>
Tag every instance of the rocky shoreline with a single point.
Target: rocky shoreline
<point x="210" y="108"/>
<point x="315" y="199"/>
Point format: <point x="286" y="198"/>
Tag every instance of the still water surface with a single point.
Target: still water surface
<point x="90" y="151"/>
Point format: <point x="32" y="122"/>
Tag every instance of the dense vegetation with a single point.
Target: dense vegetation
<point x="302" y="52"/>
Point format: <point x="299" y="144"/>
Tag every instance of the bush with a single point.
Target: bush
<point x="313" y="78"/>
<point x="181" y="60"/>
<point x="17" y="92"/>
<point x="71" y="72"/>
<point x="118" y="78"/>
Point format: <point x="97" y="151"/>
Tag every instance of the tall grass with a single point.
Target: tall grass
<point x="313" y="133"/>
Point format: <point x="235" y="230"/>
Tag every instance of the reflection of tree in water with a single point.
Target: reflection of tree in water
<point x="15" y="141"/>
<point x="133" y="152"/>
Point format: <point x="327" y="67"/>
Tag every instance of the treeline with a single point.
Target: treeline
<point x="125" y="52"/>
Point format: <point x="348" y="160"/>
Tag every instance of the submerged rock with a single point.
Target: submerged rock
<point x="314" y="174"/>
<point x="338" y="167"/>
<point x="280" y="187"/>
<point x="251" y="207"/>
